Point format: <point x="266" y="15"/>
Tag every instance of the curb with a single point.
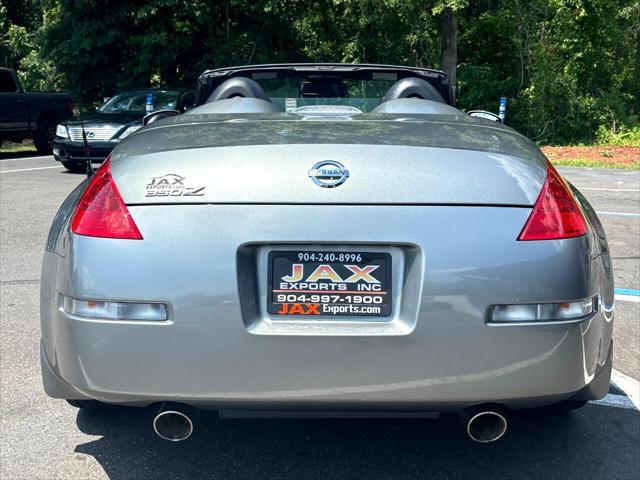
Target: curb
<point x="630" y="386"/>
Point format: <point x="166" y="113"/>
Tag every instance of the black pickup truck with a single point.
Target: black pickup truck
<point x="30" y="114"/>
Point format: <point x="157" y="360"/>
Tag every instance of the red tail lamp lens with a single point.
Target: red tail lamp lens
<point x="556" y="213"/>
<point x="101" y="211"/>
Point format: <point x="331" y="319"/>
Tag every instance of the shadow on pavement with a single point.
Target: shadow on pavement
<point x="593" y="442"/>
<point x="16" y="155"/>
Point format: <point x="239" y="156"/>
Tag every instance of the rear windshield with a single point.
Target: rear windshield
<point x="289" y="93"/>
<point x="137" y="102"/>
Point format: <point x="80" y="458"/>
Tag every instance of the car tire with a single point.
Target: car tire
<point x="44" y="135"/>
<point x="75" y="167"/>
<point x="90" y="405"/>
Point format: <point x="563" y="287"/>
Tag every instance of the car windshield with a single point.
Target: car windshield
<point x="289" y="93"/>
<point x="137" y="102"/>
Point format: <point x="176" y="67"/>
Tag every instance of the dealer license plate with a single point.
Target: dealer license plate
<point x="312" y="283"/>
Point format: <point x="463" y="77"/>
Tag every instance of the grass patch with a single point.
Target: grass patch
<point x="586" y="162"/>
<point x="24" y="147"/>
<point x="626" y="137"/>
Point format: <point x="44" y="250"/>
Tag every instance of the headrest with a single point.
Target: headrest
<point x="412" y="87"/>
<point x="235" y="105"/>
<point x="238" y="87"/>
<point x="413" y="106"/>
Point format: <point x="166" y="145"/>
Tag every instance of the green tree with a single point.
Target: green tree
<point x="570" y="68"/>
<point x="22" y="29"/>
<point x="161" y="42"/>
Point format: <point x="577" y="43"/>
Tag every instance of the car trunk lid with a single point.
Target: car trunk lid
<point x="269" y="162"/>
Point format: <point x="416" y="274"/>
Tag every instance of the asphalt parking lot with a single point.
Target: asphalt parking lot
<point x="45" y="438"/>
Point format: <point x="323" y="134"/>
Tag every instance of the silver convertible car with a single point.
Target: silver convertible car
<point x="330" y="240"/>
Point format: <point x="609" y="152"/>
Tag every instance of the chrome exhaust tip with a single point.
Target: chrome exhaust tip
<point x="484" y="424"/>
<point x="174" y="422"/>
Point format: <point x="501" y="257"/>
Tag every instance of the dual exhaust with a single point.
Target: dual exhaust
<point x="483" y="423"/>
<point x="174" y="421"/>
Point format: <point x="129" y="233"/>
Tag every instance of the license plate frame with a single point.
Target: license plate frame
<point x="367" y="293"/>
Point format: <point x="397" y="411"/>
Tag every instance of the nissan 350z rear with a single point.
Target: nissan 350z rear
<point x="332" y="239"/>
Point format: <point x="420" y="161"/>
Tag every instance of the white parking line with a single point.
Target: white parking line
<point x="618" y="401"/>
<point x="610" y="189"/>
<point x="29" y="169"/>
<point x="627" y="298"/>
<point x="630" y="386"/>
<point x="619" y="214"/>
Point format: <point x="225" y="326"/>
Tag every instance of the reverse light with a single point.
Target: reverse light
<point x="61" y="131"/>
<point x="101" y="211"/>
<point x="556" y="213"/>
<point x="543" y="312"/>
<point x="115" y="310"/>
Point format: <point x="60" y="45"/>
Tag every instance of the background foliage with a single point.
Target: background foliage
<point x="570" y="68"/>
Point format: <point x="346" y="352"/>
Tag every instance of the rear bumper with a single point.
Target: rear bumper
<point x="144" y="364"/>
<point x="112" y="367"/>
<point x="218" y="352"/>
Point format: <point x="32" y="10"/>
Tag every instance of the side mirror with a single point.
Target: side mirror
<point x="159" y="115"/>
<point x="484" y="114"/>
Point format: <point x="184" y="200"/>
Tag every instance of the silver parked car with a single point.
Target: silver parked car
<point x="327" y="240"/>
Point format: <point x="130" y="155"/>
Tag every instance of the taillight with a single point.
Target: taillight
<point x="70" y="106"/>
<point x="556" y="213"/>
<point x="101" y="211"/>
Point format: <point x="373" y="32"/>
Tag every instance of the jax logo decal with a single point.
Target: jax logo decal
<point x="171" y="185"/>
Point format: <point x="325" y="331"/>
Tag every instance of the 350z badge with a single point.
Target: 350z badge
<point x="171" y="185"/>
